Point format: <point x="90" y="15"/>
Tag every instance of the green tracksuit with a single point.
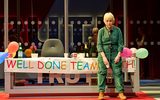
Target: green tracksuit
<point x="110" y="43"/>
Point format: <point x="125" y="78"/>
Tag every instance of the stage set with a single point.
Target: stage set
<point x="53" y="28"/>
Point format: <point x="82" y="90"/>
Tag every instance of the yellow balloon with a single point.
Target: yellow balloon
<point x="10" y="55"/>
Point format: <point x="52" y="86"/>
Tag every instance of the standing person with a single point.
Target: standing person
<point x="109" y="46"/>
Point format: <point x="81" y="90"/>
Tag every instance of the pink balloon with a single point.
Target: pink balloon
<point x="126" y="52"/>
<point x="13" y="47"/>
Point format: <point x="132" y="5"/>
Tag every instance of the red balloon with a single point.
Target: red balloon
<point x="126" y="52"/>
<point x="13" y="47"/>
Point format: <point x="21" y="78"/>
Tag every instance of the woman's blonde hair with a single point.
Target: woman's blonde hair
<point x="109" y="16"/>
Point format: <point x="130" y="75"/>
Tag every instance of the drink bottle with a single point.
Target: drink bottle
<point x="20" y="51"/>
<point x="86" y="51"/>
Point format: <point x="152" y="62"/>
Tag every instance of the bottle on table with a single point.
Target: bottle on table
<point x="86" y="50"/>
<point x="20" y="51"/>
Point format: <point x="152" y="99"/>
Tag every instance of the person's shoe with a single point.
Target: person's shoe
<point x="122" y="96"/>
<point x="101" y="96"/>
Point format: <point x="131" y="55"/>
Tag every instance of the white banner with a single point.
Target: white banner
<point x="51" y="65"/>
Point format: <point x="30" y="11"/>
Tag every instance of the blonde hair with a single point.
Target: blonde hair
<point x="109" y="16"/>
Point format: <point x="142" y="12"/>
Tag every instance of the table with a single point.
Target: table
<point x="57" y="68"/>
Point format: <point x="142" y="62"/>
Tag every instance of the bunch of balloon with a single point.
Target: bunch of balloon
<point x="10" y="52"/>
<point x="140" y="53"/>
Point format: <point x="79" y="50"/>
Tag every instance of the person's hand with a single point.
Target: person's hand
<point x="107" y="66"/>
<point x="106" y="62"/>
<point x="117" y="58"/>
